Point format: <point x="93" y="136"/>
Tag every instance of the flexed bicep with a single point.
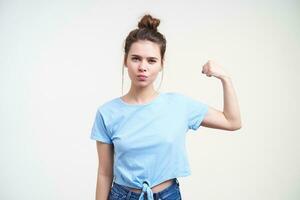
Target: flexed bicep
<point x="216" y="119"/>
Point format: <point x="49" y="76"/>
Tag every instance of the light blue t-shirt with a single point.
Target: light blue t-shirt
<point x="148" y="139"/>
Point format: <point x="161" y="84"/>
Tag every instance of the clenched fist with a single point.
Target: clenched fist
<point x="211" y="68"/>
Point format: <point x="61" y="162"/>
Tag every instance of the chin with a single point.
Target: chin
<point x="142" y="84"/>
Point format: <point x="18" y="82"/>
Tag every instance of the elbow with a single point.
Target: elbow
<point x="233" y="124"/>
<point x="236" y="126"/>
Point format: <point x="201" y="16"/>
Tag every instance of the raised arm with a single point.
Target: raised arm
<point x="229" y="118"/>
<point x="105" y="170"/>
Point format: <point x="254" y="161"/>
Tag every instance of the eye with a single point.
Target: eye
<point x="152" y="61"/>
<point x="134" y="58"/>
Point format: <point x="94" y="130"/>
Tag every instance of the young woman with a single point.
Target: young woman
<point x="140" y="137"/>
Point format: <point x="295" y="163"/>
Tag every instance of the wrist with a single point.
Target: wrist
<point x="225" y="78"/>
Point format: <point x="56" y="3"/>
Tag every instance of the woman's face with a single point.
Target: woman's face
<point x="143" y="59"/>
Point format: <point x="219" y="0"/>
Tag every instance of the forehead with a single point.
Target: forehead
<point x="145" y="48"/>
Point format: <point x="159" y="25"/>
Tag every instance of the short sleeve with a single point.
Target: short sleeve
<point x="99" y="130"/>
<point x="196" y="111"/>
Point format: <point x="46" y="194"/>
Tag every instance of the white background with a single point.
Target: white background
<point x="60" y="60"/>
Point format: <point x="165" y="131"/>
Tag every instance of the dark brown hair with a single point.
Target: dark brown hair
<point x="147" y="30"/>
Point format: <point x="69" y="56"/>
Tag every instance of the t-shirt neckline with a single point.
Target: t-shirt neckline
<point x="139" y="105"/>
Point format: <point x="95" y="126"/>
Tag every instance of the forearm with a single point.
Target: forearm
<point x="103" y="186"/>
<point x="231" y="108"/>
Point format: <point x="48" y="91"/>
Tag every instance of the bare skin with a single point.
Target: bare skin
<point x="230" y="118"/>
<point x="143" y="59"/>
<point x="156" y="188"/>
<point x="105" y="170"/>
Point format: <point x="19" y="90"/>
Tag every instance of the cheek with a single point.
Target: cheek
<point x="131" y="74"/>
<point x="156" y="69"/>
<point x="154" y="74"/>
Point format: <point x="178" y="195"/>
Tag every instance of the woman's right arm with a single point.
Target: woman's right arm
<point x="105" y="170"/>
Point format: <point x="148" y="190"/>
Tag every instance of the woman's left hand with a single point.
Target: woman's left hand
<point x="211" y="68"/>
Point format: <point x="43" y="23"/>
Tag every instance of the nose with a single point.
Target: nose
<point x="143" y="66"/>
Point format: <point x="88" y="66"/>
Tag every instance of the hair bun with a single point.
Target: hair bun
<point x="149" y="22"/>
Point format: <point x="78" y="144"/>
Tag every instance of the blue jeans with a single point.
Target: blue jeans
<point x="120" y="192"/>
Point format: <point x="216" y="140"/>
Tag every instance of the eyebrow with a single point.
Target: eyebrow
<point x="148" y="57"/>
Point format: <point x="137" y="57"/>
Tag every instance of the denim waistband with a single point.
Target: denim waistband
<point x="146" y="190"/>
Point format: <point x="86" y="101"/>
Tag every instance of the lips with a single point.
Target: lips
<point x="143" y="76"/>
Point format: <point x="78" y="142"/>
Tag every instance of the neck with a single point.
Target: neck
<point x="141" y="95"/>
